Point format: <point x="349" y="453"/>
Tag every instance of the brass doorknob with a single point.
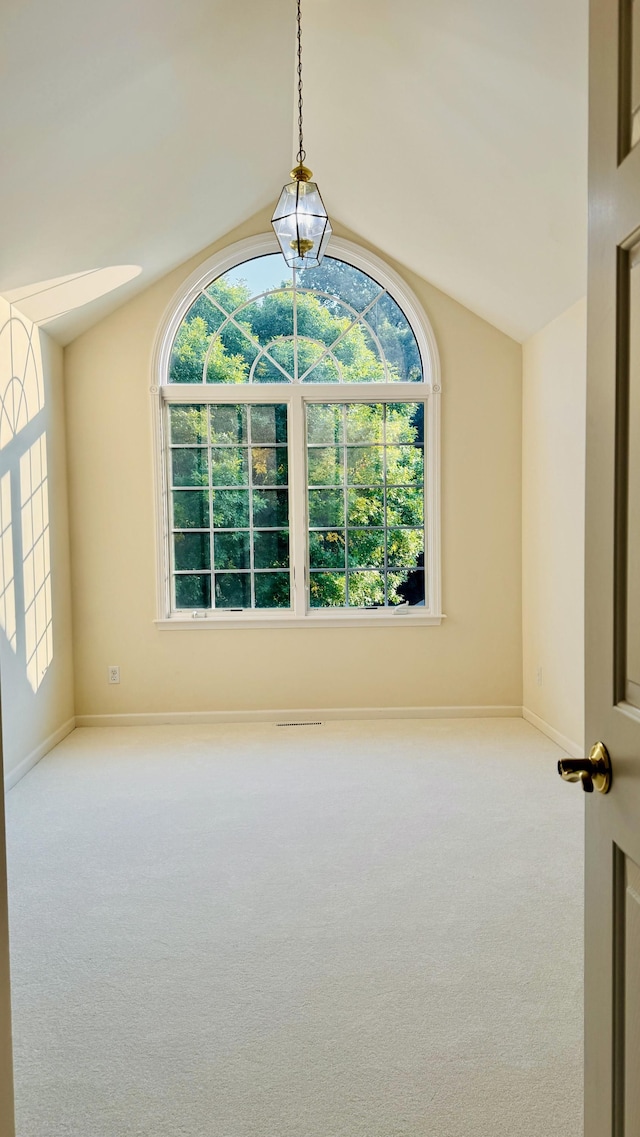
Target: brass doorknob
<point x="592" y="771"/>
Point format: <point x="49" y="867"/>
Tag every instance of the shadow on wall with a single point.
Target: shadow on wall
<point x="26" y="608"/>
<point x="26" y="614"/>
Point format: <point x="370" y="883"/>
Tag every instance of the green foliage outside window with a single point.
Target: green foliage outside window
<point x="227" y="332"/>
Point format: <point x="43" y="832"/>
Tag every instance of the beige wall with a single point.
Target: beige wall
<point x="35" y="598"/>
<point x="474" y="658"/>
<point x="553" y="457"/>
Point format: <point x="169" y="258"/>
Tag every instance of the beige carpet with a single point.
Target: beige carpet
<point x="353" y="930"/>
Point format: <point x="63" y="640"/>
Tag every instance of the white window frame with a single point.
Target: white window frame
<point x="296" y="396"/>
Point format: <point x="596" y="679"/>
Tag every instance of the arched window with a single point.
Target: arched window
<point x="298" y="435"/>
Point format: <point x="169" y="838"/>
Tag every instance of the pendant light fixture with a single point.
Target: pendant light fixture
<point x="300" y="220"/>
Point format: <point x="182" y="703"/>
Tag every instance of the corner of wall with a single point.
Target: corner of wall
<point x="553" y="495"/>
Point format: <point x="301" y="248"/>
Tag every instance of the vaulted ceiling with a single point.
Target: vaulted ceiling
<point x="449" y="133"/>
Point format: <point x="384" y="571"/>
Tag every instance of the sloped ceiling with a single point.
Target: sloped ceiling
<point x="464" y="150"/>
<point x="449" y="133"/>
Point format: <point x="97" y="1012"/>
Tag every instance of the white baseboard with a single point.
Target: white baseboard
<point x="325" y="714"/>
<point x="12" y="777"/>
<point x="571" y="747"/>
<point x="188" y="718"/>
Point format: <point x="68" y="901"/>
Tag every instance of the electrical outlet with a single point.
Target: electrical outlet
<point x="539" y="677"/>
<point x="114" y="672"/>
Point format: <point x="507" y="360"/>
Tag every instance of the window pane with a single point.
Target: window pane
<point x="365" y="423"/>
<point x="404" y="465"/>
<point x="229" y="466"/>
<point x="283" y="352"/>
<point x="269" y="466"/>
<point x="271" y="549"/>
<point x="231" y="551"/>
<point x="224" y="365"/>
<point x="343" y="281"/>
<point x="321" y="319"/>
<point x="325" y="423"/>
<point x="405" y="506"/>
<point x="384" y="546"/>
<point x="327" y="589"/>
<point x="269" y="424"/>
<point x="272" y="590"/>
<point x="233" y="590"/>
<point x="260" y="274"/>
<point x="326" y="466"/>
<point x="310" y="353"/>
<point x="231" y="509"/>
<point x="404" y="547"/>
<point x="406" y="587"/>
<point x="188" y="425"/>
<point x="192" y="341"/>
<point x="228" y="425"/>
<point x="190" y="467"/>
<point x="241" y="452"/>
<point x="326" y="550"/>
<point x="270" y="508"/>
<point x="366" y="589"/>
<point x="326" y="508"/>
<point x="365" y="507"/>
<point x="364" y="465"/>
<point x="231" y="356"/>
<point x="191" y="509"/>
<point x="405" y="423"/>
<point x="359" y="358"/>
<point x="271" y="317"/>
<point x="366" y="548"/>
<point x="191" y="551"/>
<point x="398" y="342"/>
<point x="193" y="591"/>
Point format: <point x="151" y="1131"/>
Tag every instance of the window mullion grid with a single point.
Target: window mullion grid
<point x="298" y="503"/>
<point x="169" y="490"/>
<point x="329" y="349"/>
<point x="384" y="501"/>
<point x="429" y="504"/>
<point x="345" y="490"/>
<point x="252" y="577"/>
<point x="298" y="489"/>
<point x="170" y="506"/>
<point x="406" y="394"/>
<point x="231" y="320"/>
<point x="211" y="533"/>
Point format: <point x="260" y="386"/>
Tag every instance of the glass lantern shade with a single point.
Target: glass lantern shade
<point x="301" y="224"/>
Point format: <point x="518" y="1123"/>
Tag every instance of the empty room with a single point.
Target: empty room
<point x="318" y="415"/>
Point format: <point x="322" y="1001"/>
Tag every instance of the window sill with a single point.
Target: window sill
<point x="324" y="620"/>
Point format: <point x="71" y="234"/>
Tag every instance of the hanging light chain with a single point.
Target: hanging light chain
<point x="300" y="220"/>
<point x="301" y="150"/>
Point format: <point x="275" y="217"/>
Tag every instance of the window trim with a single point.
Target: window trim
<point x="296" y="395"/>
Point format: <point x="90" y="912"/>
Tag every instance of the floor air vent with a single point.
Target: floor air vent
<point x="298" y="724"/>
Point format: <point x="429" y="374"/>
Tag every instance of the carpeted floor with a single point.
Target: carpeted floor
<point x="352" y="930"/>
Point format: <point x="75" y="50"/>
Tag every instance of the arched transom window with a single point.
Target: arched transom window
<point x="299" y="441"/>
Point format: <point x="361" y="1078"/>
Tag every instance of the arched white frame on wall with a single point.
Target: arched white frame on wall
<point x="297" y="396"/>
